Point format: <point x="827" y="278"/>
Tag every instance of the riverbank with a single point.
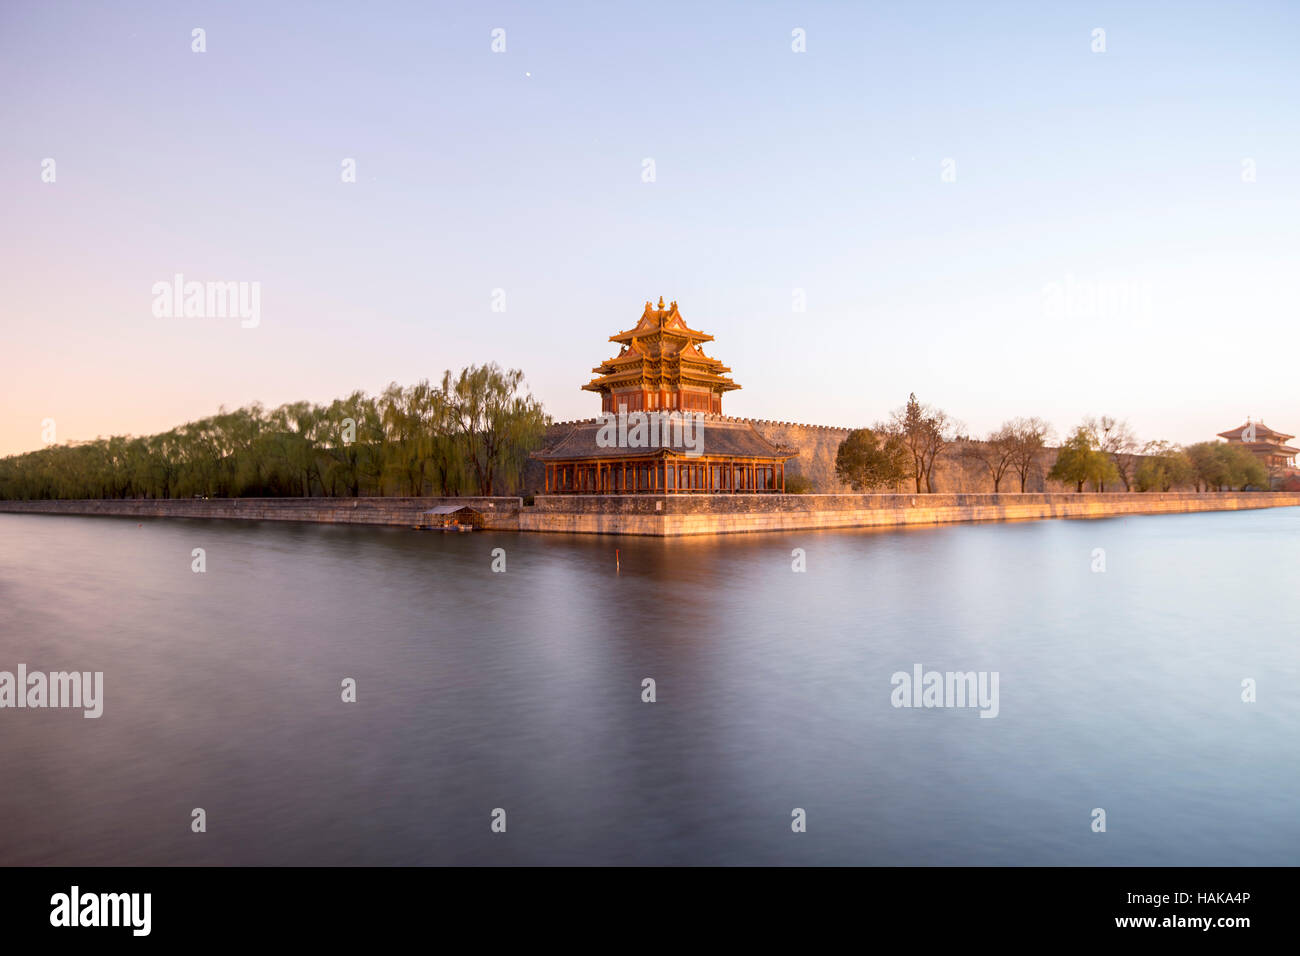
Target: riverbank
<point x="676" y="515"/>
<point x="400" y="512"/>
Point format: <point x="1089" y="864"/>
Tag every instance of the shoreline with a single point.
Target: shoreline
<point x="677" y="515"/>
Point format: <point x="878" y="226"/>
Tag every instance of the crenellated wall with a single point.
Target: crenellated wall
<point x="818" y="446"/>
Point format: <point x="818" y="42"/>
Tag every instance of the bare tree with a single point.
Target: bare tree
<point x="925" y="432"/>
<point x="1028" y="436"/>
<point x="1115" y="439"/>
<point x="995" y="454"/>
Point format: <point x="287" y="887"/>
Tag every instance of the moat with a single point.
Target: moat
<point x="481" y="689"/>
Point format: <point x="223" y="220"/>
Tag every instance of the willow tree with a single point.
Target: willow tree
<point x="496" y="425"/>
<point x="408" y="433"/>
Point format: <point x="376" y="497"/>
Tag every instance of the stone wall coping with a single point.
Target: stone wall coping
<point x="722" y="418"/>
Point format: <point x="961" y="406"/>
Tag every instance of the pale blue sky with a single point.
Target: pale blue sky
<point x="775" y="171"/>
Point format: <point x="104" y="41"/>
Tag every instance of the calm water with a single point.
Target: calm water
<point x="522" y="690"/>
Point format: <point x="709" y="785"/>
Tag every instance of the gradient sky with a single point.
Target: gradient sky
<point x="775" y="171"/>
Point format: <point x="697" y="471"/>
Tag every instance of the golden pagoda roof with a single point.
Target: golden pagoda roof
<point x="661" y="345"/>
<point x="655" y="320"/>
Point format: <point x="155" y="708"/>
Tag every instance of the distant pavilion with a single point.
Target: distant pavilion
<point x="1269" y="445"/>
<point x="661" y="373"/>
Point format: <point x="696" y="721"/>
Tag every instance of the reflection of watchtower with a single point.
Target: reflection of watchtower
<point x="661" y="367"/>
<point x="1269" y="445"/>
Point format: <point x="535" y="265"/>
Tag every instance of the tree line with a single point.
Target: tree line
<point x="1094" y="456"/>
<point x="1101" y="452"/>
<point x="469" y="434"/>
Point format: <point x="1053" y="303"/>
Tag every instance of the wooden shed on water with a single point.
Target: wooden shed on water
<point x="450" y="518"/>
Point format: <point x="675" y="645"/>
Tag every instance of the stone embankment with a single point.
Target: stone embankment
<point x="672" y="515"/>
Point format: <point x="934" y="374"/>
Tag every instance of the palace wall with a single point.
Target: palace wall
<point x="687" y="514"/>
<point x="818" y="445"/>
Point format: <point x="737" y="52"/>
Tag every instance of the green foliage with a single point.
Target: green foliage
<point x="866" y="460"/>
<point x="1163" y="468"/>
<point x="471" y="433"/>
<point x="495" y="426"/>
<point x="797" y="484"/>
<point x="1079" y="460"/>
<point x="1225" y="466"/>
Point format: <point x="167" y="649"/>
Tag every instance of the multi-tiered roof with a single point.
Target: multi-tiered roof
<point x="661" y="366"/>
<point x="674" y="439"/>
<point x="1267" y="443"/>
